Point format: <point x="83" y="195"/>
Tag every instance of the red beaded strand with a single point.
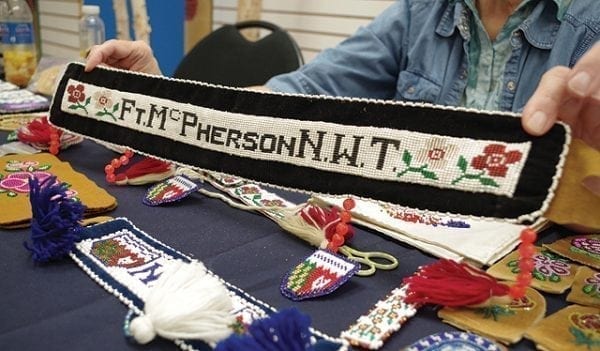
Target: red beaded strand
<point x="115" y="163"/>
<point x="54" y="141"/>
<point x="526" y="264"/>
<point x="342" y="229"/>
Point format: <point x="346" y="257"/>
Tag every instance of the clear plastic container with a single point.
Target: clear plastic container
<point x="20" y="58"/>
<point x="3" y="33"/>
<point x="91" y="28"/>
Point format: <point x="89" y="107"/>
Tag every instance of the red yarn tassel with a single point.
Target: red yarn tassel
<point x="452" y="284"/>
<point x="144" y="167"/>
<point x="36" y="131"/>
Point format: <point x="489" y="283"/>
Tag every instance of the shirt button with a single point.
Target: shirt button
<point x="410" y="90"/>
<point x="516" y="39"/>
<point x="511" y="86"/>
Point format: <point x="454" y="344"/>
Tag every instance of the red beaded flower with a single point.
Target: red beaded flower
<point x="76" y="93"/>
<point x="495" y="160"/>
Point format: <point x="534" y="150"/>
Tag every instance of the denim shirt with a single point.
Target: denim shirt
<point x="417" y="50"/>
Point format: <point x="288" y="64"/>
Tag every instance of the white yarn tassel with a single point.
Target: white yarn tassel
<point x="185" y="303"/>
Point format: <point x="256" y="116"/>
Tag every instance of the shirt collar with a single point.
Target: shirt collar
<point x="540" y="27"/>
<point x="561" y="5"/>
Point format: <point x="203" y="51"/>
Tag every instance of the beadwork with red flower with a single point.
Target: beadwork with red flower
<point x="76" y="93"/>
<point x="495" y="159"/>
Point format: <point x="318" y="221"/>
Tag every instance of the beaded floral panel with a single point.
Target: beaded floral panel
<point x="447" y="162"/>
<point x="573" y="328"/>
<point x="420" y="156"/>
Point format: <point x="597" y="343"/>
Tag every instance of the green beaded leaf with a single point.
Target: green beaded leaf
<point x="488" y="182"/>
<point x="588" y="289"/>
<point x="513" y="263"/>
<point x="555" y="278"/>
<point x="406" y="157"/>
<point x="429" y="175"/>
<point x="462" y="164"/>
<point x="539" y="276"/>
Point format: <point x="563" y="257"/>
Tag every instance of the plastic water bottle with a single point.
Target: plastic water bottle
<point x="91" y="28"/>
<point x="3" y="33"/>
<point x="20" y="58"/>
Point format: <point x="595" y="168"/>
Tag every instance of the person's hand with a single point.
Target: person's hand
<point x="570" y="95"/>
<point x="130" y="55"/>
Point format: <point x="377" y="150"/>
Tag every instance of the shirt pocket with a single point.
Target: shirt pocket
<point x="414" y="87"/>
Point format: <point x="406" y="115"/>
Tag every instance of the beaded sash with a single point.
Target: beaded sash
<point x="444" y="159"/>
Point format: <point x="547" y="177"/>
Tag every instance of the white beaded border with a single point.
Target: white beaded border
<point x="530" y="217"/>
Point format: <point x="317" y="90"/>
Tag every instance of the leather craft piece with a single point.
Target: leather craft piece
<point x="573" y="202"/>
<point x="552" y="273"/>
<point x="505" y="323"/>
<point x="581" y="248"/>
<point x="445" y="159"/>
<point x="586" y="288"/>
<point x="574" y="328"/>
<point x="15" y="171"/>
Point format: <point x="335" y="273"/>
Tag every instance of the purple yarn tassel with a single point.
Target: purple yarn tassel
<point x="55" y="220"/>
<point x="286" y="330"/>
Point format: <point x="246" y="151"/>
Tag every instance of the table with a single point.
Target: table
<point x="58" y="307"/>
